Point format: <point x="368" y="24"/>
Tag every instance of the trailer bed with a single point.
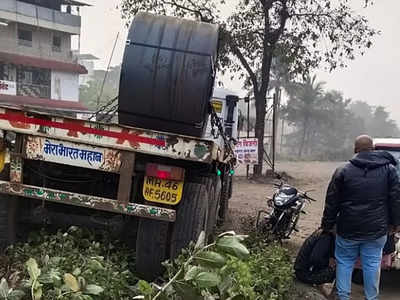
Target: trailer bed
<point x="87" y="142"/>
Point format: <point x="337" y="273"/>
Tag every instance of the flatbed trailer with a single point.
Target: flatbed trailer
<point x="173" y="186"/>
<point x="156" y="190"/>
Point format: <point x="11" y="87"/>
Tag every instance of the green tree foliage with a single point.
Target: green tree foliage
<point x="306" y="108"/>
<point x="91" y="95"/>
<point x="326" y="123"/>
<point x="376" y="120"/>
<point x="305" y="33"/>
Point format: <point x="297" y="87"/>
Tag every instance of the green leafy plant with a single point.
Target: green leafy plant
<point x="33" y="283"/>
<point x="215" y="271"/>
<point x="271" y="268"/>
<point x="9" y="293"/>
<point x="76" y="264"/>
<point x="233" y="267"/>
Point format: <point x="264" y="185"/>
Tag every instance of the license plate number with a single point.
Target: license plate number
<point x="162" y="191"/>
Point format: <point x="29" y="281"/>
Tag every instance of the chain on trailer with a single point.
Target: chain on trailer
<point x="216" y="122"/>
<point x="106" y="112"/>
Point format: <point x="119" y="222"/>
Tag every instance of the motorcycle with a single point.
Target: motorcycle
<point x="286" y="205"/>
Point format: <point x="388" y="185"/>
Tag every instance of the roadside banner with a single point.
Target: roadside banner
<point x="246" y="151"/>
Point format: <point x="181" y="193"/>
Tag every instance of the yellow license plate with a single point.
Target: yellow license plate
<point x="162" y="191"/>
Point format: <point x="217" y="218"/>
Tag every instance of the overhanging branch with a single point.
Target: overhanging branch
<point x="311" y="14"/>
<point x="197" y="12"/>
<point x="236" y="51"/>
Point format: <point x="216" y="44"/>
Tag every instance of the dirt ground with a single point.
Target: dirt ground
<point x="249" y="197"/>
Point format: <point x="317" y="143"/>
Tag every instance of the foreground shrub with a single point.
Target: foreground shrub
<point x="71" y="265"/>
<point x="77" y="265"/>
<point x="271" y="267"/>
<point x="225" y="269"/>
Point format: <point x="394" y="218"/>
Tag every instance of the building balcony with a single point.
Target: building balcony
<point x="21" y="12"/>
<point x="37" y="49"/>
<point x="41" y="63"/>
<point x="33" y="90"/>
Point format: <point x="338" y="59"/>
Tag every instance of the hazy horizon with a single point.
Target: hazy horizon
<point x="370" y="78"/>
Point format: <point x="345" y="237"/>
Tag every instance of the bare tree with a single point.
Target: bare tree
<point x="306" y="34"/>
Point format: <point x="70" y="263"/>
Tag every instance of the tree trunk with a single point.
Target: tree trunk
<point x="259" y="131"/>
<point x="303" y="138"/>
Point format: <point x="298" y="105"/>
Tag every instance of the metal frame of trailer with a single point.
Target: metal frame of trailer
<point x="104" y="147"/>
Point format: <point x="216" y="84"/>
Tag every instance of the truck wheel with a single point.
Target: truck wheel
<point x="8" y="220"/>
<point x="224" y="202"/>
<point x="151" y="248"/>
<point x="191" y="217"/>
<point x="130" y="231"/>
<point x="213" y="207"/>
<point x="213" y="187"/>
<point x="230" y="187"/>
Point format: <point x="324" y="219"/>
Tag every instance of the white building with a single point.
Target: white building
<point x="86" y="60"/>
<point x="37" y="66"/>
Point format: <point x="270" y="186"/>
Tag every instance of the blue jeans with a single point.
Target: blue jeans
<point x="347" y="252"/>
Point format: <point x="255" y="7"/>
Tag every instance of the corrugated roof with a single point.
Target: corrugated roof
<point x="42" y="63"/>
<point x="42" y="103"/>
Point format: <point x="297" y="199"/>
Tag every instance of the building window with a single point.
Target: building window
<point x="26" y="77"/>
<point x="2" y="72"/>
<point x="5" y="72"/>
<point x="56" y="43"/>
<point x="34" y="82"/>
<point x="25" y="37"/>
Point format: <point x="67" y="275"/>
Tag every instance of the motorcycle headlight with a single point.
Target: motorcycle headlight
<point x="282" y="199"/>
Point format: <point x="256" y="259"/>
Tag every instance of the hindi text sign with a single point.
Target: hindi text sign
<point x="246" y="151"/>
<point x="68" y="153"/>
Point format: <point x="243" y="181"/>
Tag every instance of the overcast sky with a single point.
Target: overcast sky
<point x="372" y="78"/>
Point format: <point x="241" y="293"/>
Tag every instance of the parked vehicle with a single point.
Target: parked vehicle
<point x="281" y="220"/>
<point x="391" y="252"/>
<point x="154" y="177"/>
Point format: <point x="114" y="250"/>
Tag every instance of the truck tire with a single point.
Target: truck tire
<point x="213" y="207"/>
<point x="230" y="191"/>
<point x="191" y="217"/>
<point x="8" y="220"/>
<point x="224" y="201"/>
<point x="213" y="187"/>
<point x="8" y="216"/>
<point x="151" y="248"/>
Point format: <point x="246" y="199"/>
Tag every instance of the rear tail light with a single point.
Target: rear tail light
<point x="165" y="172"/>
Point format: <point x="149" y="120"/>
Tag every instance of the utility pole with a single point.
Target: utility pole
<point x="282" y="134"/>
<point x="105" y="75"/>
<point x="274" y="109"/>
<point x="247" y="100"/>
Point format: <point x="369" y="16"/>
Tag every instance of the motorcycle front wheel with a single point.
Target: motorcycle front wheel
<point x="291" y="226"/>
<point x="265" y="228"/>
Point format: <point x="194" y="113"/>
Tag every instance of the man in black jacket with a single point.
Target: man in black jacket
<point x="363" y="201"/>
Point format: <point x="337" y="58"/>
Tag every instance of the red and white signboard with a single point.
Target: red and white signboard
<point x="246" y="151"/>
<point x="8" y="87"/>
